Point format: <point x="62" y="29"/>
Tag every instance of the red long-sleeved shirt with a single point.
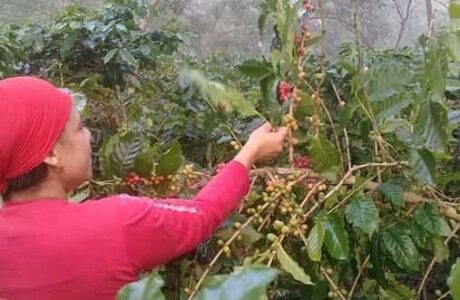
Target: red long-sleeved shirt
<point x="53" y="249"/>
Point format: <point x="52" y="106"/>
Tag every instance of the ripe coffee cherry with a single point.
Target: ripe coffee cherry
<point x="133" y="179"/>
<point x="284" y="92"/>
<point x="301" y="51"/>
<point x="302" y="162"/>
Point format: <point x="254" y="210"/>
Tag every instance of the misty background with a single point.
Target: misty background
<point x="231" y="25"/>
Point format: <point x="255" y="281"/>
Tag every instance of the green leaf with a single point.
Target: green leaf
<point x="411" y="139"/>
<point x="423" y="165"/>
<point x="127" y="151"/>
<point x="249" y="235"/>
<point x="256" y="69"/>
<point x="454" y="280"/>
<point x="377" y="259"/>
<point x="247" y="283"/>
<point x="267" y="7"/>
<point x="431" y="64"/>
<point x="291" y="266"/>
<point x="313" y="41"/>
<point x="454" y="10"/>
<point x="335" y="237"/>
<point x="386" y="79"/>
<point x="315" y="242"/>
<point x="127" y="57"/>
<point x="440" y="250"/>
<point x="402" y="249"/>
<point x="391" y="106"/>
<point x="419" y="235"/>
<point x="433" y="125"/>
<point x="324" y="156"/>
<point x="148" y="288"/>
<point x="427" y="216"/>
<point x="81" y="195"/>
<point x="396" y="290"/>
<point x="108" y="57"/>
<point x="145" y="160"/>
<point x="363" y="214"/>
<point x="217" y="95"/>
<point x="393" y="191"/>
<point x="119" y="153"/>
<point x="170" y="161"/>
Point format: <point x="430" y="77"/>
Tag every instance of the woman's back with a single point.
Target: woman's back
<point x="51" y="247"/>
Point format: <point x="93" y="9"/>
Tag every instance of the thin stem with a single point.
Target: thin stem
<point x="336" y="136"/>
<point x="433" y="261"/>
<point x="443" y="296"/>
<point x="358" y="277"/>
<point x="347" y="143"/>
<point x="220" y="252"/>
<point x="343" y="181"/>
<point x="332" y="283"/>
<point x="290" y="138"/>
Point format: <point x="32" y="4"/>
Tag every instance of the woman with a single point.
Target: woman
<point x="53" y="249"/>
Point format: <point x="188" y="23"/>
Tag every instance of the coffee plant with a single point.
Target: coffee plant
<point x="363" y="204"/>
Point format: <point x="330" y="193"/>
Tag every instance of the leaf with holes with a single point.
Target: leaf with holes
<point x="362" y="213"/>
<point x="315" y="242"/>
<point x="291" y="266"/>
<point x="401" y="248"/>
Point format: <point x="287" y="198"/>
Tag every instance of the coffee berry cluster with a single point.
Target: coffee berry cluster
<point x="302" y="161"/>
<point x="290" y="122"/>
<point x="285" y="92"/>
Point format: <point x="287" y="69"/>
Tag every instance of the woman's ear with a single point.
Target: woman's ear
<point x="52" y="160"/>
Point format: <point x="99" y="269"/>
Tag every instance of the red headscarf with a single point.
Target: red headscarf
<point x="33" y="114"/>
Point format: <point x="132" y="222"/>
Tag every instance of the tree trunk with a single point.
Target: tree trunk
<point x="404" y="17"/>
<point x="429" y="15"/>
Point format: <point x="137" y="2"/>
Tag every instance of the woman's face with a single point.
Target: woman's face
<point x="73" y="151"/>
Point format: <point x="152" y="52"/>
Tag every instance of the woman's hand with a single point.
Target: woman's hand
<point x="264" y="143"/>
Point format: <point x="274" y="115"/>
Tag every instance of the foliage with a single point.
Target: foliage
<point x="245" y="283"/>
<point x="371" y="201"/>
<point x="148" y="288"/>
<point x="453" y="280"/>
